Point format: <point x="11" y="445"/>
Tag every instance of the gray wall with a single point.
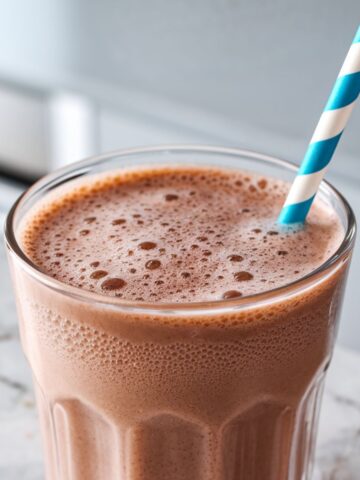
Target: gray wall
<point x="267" y="64"/>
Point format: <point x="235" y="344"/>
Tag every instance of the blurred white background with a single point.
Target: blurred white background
<point x="79" y="77"/>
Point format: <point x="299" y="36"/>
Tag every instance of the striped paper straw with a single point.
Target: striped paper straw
<point x="325" y="138"/>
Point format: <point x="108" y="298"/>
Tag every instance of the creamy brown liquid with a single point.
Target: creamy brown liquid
<point x="178" y="236"/>
<point x="220" y="395"/>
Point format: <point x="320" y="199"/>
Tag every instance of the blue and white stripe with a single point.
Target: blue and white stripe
<point x="325" y="138"/>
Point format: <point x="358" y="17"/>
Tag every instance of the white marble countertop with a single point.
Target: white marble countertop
<point x="338" y="451"/>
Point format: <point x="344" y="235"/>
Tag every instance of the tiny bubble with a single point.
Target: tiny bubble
<point x="235" y="258"/>
<point x="171" y="197"/>
<point x="113" y="284"/>
<point x="118" y="221"/>
<point x="152" y="264"/>
<point x="231" y="294"/>
<point x="243" y="276"/>
<point x="185" y="274"/>
<point x="262" y="183"/>
<point x="89" y="219"/>
<point x="147" y="245"/>
<point x="98" y="274"/>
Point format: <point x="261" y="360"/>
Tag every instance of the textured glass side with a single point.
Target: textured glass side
<point x="304" y="439"/>
<point x="80" y="443"/>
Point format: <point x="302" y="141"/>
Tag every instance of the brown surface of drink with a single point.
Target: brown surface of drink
<point x="189" y="395"/>
<point x="177" y="236"/>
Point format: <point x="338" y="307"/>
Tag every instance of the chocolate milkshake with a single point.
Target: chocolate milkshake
<point x="174" y="330"/>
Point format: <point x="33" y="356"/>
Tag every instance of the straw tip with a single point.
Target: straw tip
<point x="295" y="213"/>
<point x="285" y="219"/>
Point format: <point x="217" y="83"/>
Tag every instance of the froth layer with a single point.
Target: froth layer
<point x="176" y="235"/>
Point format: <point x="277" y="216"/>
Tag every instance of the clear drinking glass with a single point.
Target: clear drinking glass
<point x="222" y="390"/>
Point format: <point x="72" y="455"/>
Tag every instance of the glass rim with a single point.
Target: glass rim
<point x="221" y="305"/>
